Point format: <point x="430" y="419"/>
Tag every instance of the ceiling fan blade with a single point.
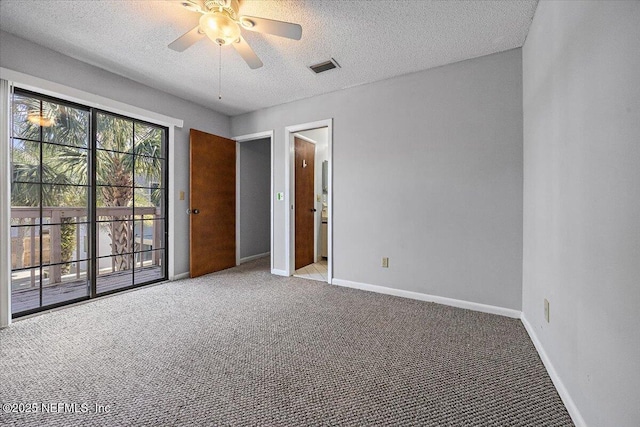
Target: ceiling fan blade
<point x="192" y="5"/>
<point x="269" y="26"/>
<point x="250" y="57"/>
<point x="187" y="40"/>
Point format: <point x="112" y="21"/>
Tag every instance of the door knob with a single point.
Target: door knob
<point x="195" y="211"/>
<point x="312" y="210"/>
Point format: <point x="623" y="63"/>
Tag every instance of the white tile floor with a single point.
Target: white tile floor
<point x="317" y="271"/>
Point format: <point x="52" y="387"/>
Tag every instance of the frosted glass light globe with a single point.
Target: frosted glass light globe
<point x="219" y="28"/>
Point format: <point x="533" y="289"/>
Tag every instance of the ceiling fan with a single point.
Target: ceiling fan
<point x="221" y="22"/>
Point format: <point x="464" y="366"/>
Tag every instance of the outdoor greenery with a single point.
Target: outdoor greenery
<point x="51" y="148"/>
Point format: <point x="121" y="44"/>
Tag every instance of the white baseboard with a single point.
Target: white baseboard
<point x="279" y="272"/>
<point x="252" y="257"/>
<point x="180" y="276"/>
<point x="557" y="382"/>
<point x="501" y="311"/>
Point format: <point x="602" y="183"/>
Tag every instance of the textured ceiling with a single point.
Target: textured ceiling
<point x="371" y="40"/>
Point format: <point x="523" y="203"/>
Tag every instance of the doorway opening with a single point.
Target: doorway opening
<point x="254" y="197"/>
<point x="309" y="194"/>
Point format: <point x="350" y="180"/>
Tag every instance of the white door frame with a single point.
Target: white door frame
<point x="5" y="203"/>
<point x="244" y="138"/>
<point x="290" y="193"/>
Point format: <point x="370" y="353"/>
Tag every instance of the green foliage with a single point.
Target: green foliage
<point x="68" y="240"/>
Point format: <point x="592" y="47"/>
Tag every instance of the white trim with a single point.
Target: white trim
<point x="279" y="272"/>
<point x="290" y="197"/>
<point x="67" y="93"/>
<point x="5" y="202"/>
<point x="181" y="276"/>
<point x="571" y="406"/>
<point x="172" y="205"/>
<point x="249" y="137"/>
<point x="484" y="308"/>
<point x="252" y="257"/>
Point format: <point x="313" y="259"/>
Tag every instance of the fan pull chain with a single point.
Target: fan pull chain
<point x="219" y="71"/>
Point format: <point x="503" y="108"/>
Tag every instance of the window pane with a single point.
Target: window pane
<point x="26" y="117"/>
<point x="114" y="169"/>
<point x="25" y="161"/>
<point x="149" y="235"/>
<point x="114" y="238"/>
<point x="149" y="140"/>
<point x="114" y="203"/>
<point x="110" y="277"/>
<point x="25" y="290"/>
<point x="64" y="201"/>
<point x="149" y="172"/>
<point x="25" y="247"/>
<point x="25" y="200"/>
<point x="65" y="165"/>
<point x="149" y="202"/>
<point x="70" y="125"/>
<point x="149" y="266"/>
<point x="65" y="242"/>
<point x="114" y="133"/>
<point x="64" y="282"/>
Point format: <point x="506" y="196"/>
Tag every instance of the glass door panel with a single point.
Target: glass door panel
<point x="49" y="202"/>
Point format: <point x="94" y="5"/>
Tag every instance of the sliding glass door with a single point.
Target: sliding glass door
<point x="88" y="203"/>
<point x="130" y="195"/>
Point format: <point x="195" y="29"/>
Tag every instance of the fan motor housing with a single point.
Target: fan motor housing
<point x="230" y="6"/>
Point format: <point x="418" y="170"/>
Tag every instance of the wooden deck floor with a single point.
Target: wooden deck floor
<point x="29" y="298"/>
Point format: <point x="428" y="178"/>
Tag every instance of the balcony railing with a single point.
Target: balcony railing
<point x="27" y="252"/>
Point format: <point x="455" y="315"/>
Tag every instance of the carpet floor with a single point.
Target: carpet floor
<point x="244" y="347"/>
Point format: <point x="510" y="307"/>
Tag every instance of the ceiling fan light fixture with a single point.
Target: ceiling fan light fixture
<point x="220" y="28"/>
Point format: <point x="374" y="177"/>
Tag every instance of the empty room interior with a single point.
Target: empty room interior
<point x="320" y="212"/>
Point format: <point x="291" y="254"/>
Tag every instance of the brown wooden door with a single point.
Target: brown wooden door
<point x="304" y="202"/>
<point x="212" y="202"/>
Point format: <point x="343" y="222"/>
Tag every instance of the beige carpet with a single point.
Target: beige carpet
<point x="244" y="347"/>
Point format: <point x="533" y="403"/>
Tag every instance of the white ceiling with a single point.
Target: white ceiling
<point x="371" y="40"/>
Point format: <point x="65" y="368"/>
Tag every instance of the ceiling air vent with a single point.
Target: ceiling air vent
<point x="324" y="66"/>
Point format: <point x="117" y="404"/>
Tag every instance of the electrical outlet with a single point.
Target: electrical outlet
<point x="546" y="310"/>
<point x="385" y="262"/>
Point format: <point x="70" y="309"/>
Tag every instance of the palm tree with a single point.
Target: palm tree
<point x="119" y="171"/>
<point x="127" y="156"/>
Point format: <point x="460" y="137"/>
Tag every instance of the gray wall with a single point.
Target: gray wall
<point x="29" y="58"/>
<point x="427" y="171"/>
<point x="581" y="64"/>
<point x="255" y="197"/>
